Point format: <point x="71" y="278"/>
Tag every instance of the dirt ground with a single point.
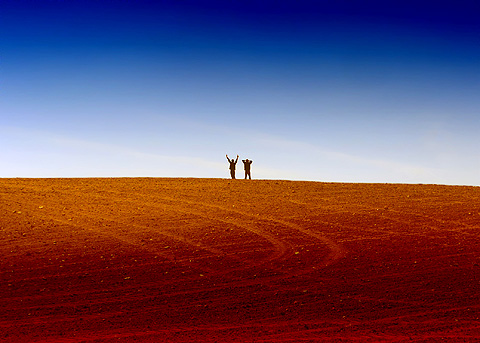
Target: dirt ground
<point x="217" y="260"/>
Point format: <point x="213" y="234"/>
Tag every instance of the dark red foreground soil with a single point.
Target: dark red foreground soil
<point x="212" y="260"/>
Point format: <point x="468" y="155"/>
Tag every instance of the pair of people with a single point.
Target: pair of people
<point x="246" y="167"/>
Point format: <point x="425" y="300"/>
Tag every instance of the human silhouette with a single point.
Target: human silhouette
<point x="233" y="164"/>
<point x="246" y="166"/>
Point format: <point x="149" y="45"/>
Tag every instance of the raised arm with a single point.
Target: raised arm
<point x="236" y="159"/>
<point x="227" y="158"/>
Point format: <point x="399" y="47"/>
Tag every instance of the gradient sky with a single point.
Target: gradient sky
<point x="344" y="91"/>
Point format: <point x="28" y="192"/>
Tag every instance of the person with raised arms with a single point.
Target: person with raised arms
<point x="233" y="165"/>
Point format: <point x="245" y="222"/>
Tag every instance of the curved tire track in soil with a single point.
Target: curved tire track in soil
<point x="281" y="247"/>
<point x="337" y="251"/>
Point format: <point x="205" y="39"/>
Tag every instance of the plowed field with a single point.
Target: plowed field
<point x="214" y="260"/>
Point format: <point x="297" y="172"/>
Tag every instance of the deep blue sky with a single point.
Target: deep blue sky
<point x="356" y="91"/>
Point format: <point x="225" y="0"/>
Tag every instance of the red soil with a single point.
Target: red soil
<point x="212" y="260"/>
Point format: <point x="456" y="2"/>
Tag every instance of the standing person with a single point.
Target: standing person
<point x="246" y="166"/>
<point x="233" y="164"/>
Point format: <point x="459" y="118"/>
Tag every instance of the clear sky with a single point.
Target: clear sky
<point x="347" y="91"/>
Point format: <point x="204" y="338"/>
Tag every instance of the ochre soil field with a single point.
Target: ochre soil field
<point x="216" y="260"/>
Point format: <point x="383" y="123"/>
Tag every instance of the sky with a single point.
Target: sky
<point x="334" y="91"/>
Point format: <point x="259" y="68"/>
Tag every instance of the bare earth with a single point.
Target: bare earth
<point x="214" y="260"/>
